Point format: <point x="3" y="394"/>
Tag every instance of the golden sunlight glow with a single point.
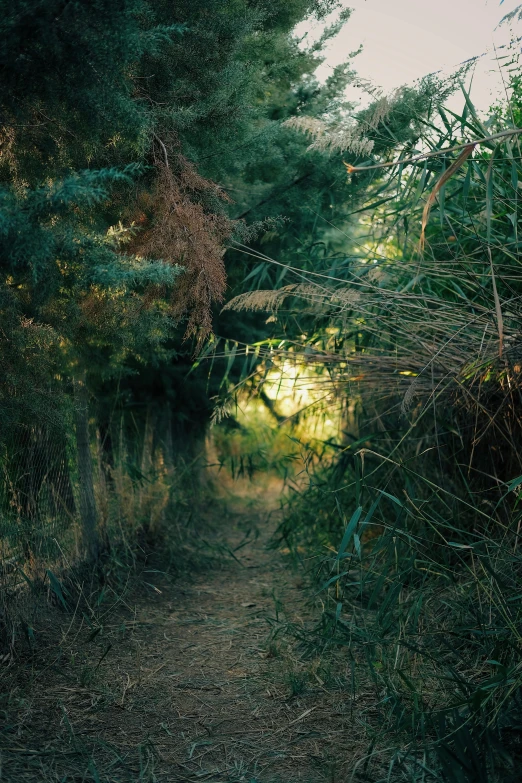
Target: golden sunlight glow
<point x="300" y="393"/>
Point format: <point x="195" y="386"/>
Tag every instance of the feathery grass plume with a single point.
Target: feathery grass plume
<point x="380" y="110"/>
<point x="271" y="300"/>
<point x="255" y="300"/>
<point x="346" y="297"/>
<point x="260" y="300"/>
<point x="376" y="274"/>
<point x="382" y="106"/>
<point x="180" y="230"/>
<point x="312" y="126"/>
<point x="408" y="397"/>
<point x="331" y="138"/>
<point x="310" y="291"/>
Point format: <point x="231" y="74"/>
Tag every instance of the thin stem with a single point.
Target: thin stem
<point x="401" y="162"/>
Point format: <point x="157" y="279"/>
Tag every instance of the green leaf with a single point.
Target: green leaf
<point x="489" y="198"/>
<point x="459" y="546"/>
<point x="420" y="186"/>
<point x="391" y="497"/>
<point x="350" y="530"/>
<point x="442" y="203"/>
<point x="57" y="588"/>
<point x="514" y="483"/>
<point x="26" y="578"/>
<point x="357" y="545"/>
<point x="473" y="113"/>
<point x="514" y="176"/>
<point x="465" y="187"/>
<point x="371" y="512"/>
<point x="374" y="205"/>
<point x="332" y="580"/>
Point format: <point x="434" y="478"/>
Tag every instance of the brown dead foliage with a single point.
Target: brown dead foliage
<point x="181" y="229"/>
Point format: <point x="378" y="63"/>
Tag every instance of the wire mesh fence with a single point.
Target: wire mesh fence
<point x="44" y="519"/>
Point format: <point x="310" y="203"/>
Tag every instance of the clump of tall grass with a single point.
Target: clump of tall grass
<point x="421" y="585"/>
<point x="414" y="524"/>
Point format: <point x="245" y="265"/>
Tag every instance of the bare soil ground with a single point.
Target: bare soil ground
<point x="194" y="681"/>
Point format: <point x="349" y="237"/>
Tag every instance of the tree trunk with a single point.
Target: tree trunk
<point x="148" y="442"/>
<point x="168" y="445"/>
<point x="103" y="496"/>
<point x="87" y="499"/>
<point x="146" y="456"/>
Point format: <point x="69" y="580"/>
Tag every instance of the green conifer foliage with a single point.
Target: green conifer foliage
<point x="111" y="241"/>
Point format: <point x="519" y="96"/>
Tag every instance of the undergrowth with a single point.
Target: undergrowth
<point x="54" y="682"/>
<point x="410" y="520"/>
<point x="423" y="595"/>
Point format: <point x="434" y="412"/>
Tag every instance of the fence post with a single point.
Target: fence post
<point x="87" y="498"/>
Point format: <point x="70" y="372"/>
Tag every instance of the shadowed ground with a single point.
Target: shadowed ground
<point x="195" y="681"/>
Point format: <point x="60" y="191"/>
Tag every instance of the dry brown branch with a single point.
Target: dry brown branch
<point x="180" y="230"/>
<point x="455" y="166"/>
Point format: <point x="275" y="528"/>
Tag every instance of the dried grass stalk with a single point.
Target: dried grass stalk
<point x="327" y="137"/>
<point x="271" y="300"/>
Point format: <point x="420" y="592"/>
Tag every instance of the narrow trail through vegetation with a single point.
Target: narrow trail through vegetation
<point x="197" y="681"/>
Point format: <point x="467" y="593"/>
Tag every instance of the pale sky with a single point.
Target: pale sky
<point x="406" y="39"/>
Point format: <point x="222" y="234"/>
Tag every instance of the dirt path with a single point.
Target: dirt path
<point x="190" y="685"/>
